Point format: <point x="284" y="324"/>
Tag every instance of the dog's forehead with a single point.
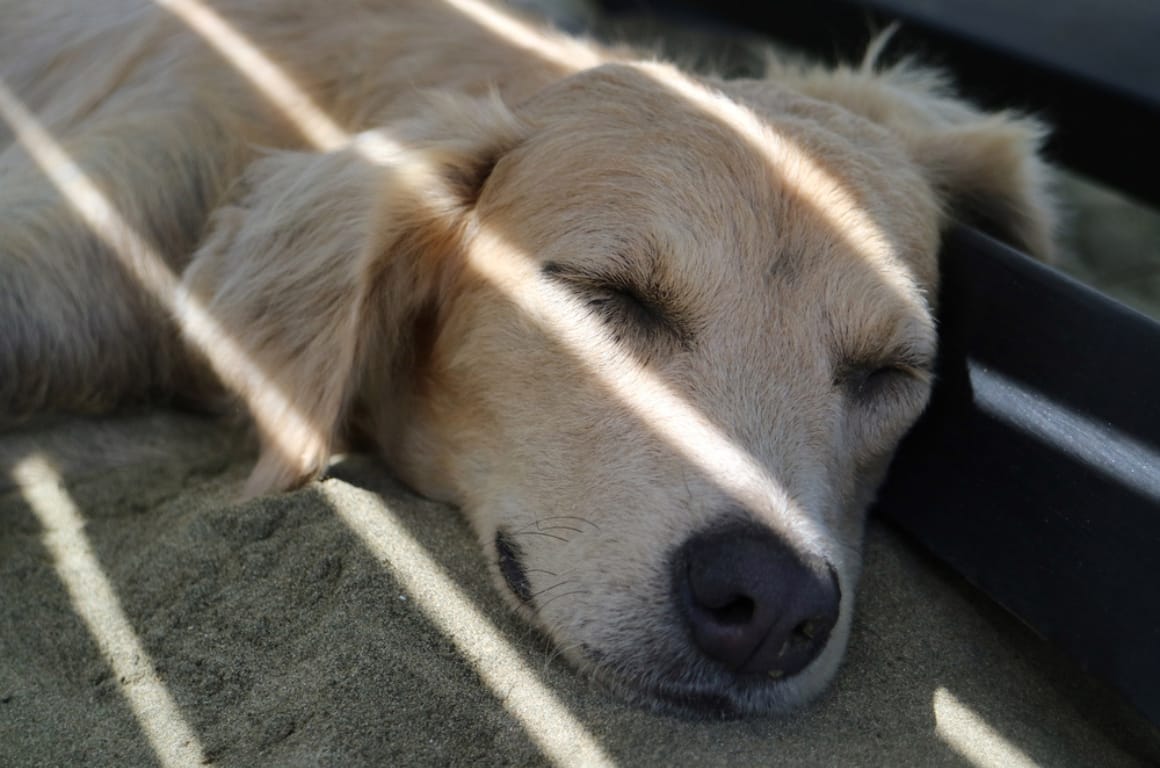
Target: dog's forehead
<point x="643" y="163"/>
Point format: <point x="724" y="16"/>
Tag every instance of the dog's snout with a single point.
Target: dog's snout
<point x="752" y="602"/>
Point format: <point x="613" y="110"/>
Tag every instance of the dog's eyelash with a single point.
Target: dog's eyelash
<point x="620" y="303"/>
<point x="869" y="380"/>
<point x="612" y="300"/>
<point x="877" y="381"/>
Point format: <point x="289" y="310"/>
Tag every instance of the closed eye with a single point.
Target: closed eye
<point x="628" y="310"/>
<point x="869" y="382"/>
<point x="883" y="399"/>
<point x="621" y="304"/>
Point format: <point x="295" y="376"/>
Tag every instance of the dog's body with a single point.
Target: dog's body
<point x="657" y="335"/>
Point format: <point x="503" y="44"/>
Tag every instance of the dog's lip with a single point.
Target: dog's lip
<point x="694" y="702"/>
<point x="720" y="697"/>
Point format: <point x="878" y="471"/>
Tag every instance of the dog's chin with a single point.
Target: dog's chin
<point x="701" y="689"/>
<point x="722" y="695"/>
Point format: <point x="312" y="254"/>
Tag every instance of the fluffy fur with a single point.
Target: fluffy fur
<point x="597" y="303"/>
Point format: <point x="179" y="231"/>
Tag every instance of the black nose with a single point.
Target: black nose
<point x="752" y="602"/>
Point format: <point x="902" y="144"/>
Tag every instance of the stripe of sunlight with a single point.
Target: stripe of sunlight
<point x="95" y="601"/>
<point x="682" y="426"/>
<point x="294" y="102"/>
<point x="526" y="36"/>
<point x="826" y="194"/>
<point x="1098" y="446"/>
<point x="966" y="733"/>
<point x="558" y="733"/>
<point x="146" y="266"/>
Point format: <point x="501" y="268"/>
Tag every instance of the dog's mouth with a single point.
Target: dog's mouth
<point x="511" y="566"/>
<point x="667" y="668"/>
<point x="697" y="691"/>
<point x="680" y="700"/>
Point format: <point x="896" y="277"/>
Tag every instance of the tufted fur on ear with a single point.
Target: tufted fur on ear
<point x="984" y="166"/>
<point x="321" y="265"/>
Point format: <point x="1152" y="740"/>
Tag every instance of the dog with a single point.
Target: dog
<point x="657" y="334"/>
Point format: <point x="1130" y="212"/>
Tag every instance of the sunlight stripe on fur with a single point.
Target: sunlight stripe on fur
<point x="559" y="734"/>
<point x="86" y="199"/>
<point x="964" y="731"/>
<point x="292" y="100"/>
<point x="524" y="36"/>
<point x="826" y="195"/>
<point x="95" y="601"/>
<point x="294" y="103"/>
<point x="297" y="106"/>
<point x="279" y="420"/>
<point x="683" y="427"/>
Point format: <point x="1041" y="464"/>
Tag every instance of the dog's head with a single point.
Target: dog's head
<point x="659" y="338"/>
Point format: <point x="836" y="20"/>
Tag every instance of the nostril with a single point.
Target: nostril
<point x="737" y="611"/>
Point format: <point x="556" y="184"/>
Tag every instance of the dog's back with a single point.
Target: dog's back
<point x="126" y="123"/>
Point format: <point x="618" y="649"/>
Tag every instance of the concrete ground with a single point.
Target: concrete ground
<point x="148" y="619"/>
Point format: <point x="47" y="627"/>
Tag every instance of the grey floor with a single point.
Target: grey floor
<point x="148" y="619"/>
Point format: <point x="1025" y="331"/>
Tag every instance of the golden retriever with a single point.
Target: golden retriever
<point x="657" y="335"/>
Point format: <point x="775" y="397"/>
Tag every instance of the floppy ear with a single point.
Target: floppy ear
<point x="988" y="173"/>
<point x="322" y="264"/>
<point x="985" y="167"/>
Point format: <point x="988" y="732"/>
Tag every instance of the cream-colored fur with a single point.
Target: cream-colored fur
<point x="599" y="304"/>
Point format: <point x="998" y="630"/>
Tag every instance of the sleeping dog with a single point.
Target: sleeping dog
<point x="657" y="335"/>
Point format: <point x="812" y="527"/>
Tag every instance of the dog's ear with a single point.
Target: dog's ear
<point x="988" y="173"/>
<point x="985" y="167"/>
<point x="326" y="257"/>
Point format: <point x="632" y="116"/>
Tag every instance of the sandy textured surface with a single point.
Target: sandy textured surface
<point x="147" y="619"/>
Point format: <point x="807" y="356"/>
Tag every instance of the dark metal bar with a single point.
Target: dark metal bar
<point x="1036" y="470"/>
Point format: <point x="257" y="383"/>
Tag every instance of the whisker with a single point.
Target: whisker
<point x="578" y="519"/>
<point x="558" y="652"/>
<point x="557" y="585"/>
<point x="560" y="528"/>
<point x="540" y="533"/>
<point x="554" y="598"/>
